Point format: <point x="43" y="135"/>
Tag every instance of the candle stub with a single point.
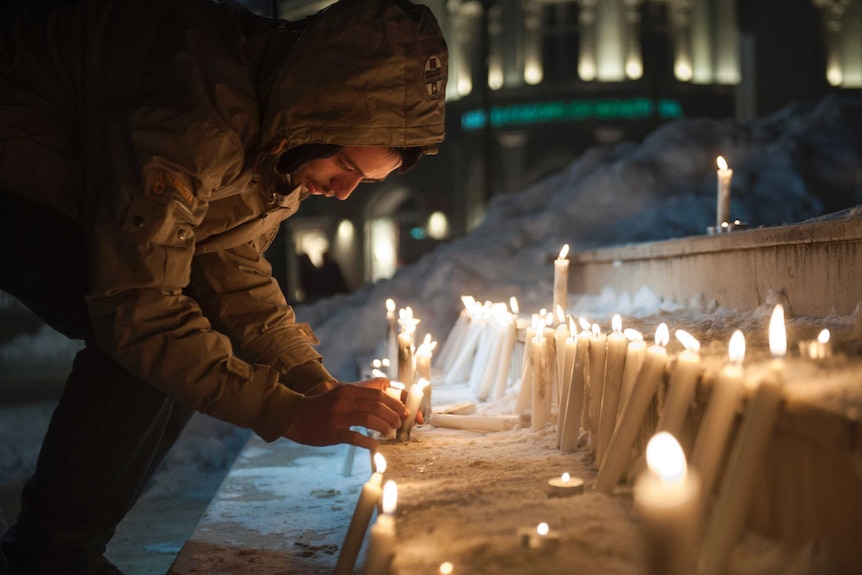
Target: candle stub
<point x="565" y="486"/>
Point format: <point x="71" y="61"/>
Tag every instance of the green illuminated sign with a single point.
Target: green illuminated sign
<point x="541" y="112"/>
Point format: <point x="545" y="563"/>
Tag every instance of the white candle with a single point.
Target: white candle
<point x="724" y="400"/>
<point x="667" y="500"/>
<point x="525" y="394"/>
<point x="394" y="390"/>
<point x="615" y="363"/>
<point x="616" y="459"/>
<point x="635" y="354"/>
<point x="484" y="371"/>
<point x="561" y="279"/>
<point x="455" y="339"/>
<point x="474" y="422"/>
<point x="561" y="334"/>
<point x="381" y="543"/>
<point x="682" y="386"/>
<point x="746" y="457"/>
<point x="501" y="378"/>
<point x="575" y="400"/>
<point x="723" y="200"/>
<point x="569" y="349"/>
<point x="596" y="383"/>
<point x="423" y="356"/>
<point x="565" y="486"/>
<point x="391" y="334"/>
<point x="414" y="401"/>
<point x="458" y="371"/>
<point x="543" y="367"/>
<point x="405" y="346"/>
<point x="365" y="506"/>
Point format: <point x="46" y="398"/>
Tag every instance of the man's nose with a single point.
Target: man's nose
<point x="345" y="185"/>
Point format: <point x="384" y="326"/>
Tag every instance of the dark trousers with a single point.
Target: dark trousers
<point x="109" y="431"/>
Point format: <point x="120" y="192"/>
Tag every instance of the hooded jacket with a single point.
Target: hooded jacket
<point x="157" y="124"/>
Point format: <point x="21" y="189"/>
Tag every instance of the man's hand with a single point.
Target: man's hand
<point x="326" y="418"/>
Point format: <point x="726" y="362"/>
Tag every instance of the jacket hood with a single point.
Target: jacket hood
<point x="362" y="73"/>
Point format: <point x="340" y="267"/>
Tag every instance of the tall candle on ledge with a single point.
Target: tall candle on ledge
<point x="618" y="455"/>
<point x="615" y="365"/>
<point x="561" y="279"/>
<point x="569" y="350"/>
<point x="391" y="335"/>
<point x="423" y="357"/>
<point x="723" y="200"/>
<point x="747" y="457"/>
<point x="682" y="386"/>
<point x="720" y="414"/>
<point x="667" y="502"/>
<point x="381" y="543"/>
<point x="405" y="346"/>
<point x="365" y="506"/>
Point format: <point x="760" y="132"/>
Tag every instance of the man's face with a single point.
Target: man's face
<point x="339" y="175"/>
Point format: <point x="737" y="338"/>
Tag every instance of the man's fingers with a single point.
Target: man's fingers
<point x="357" y="439"/>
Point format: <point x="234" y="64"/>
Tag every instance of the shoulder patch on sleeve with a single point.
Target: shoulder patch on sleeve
<point x="171" y="184"/>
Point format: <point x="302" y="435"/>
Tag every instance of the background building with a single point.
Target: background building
<point x="533" y="84"/>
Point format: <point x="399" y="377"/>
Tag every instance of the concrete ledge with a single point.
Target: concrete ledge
<point x="818" y="265"/>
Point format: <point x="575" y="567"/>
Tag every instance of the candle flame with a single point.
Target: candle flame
<point x="540" y="329"/>
<point x="777" y="333"/>
<point x="617" y="323"/>
<point x="688" y="340"/>
<point x="561" y="315"/>
<point x="422" y="383"/>
<point x="585" y="325"/>
<point x="633" y="334"/>
<point x="549" y="318"/>
<point x="823" y="337"/>
<point x="376" y="372"/>
<point x="736" y="347"/>
<point x="564" y="251"/>
<point x="596" y="329"/>
<point x="572" y="327"/>
<point x="377" y="363"/>
<point x="722" y="165"/>
<point x="468" y="301"/>
<point x="666" y="458"/>
<point x="390" y="496"/>
<point x="513" y="305"/>
<point x="566" y="477"/>
<point x="446" y="568"/>
<point x="385" y="361"/>
<point x="542" y="529"/>
<point x="662" y="334"/>
<point x="390" y="305"/>
<point x="379" y="463"/>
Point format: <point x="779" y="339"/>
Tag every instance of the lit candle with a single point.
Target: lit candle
<point x="667" y="500"/>
<point x="747" y="456"/>
<point x="458" y="371"/>
<point x="543" y="367"/>
<point x="575" y="401"/>
<point x="391" y="334"/>
<point x="455" y="339"/>
<point x="561" y="279"/>
<point x="507" y="349"/>
<point x="616" y="459"/>
<point x="715" y="428"/>
<point x="413" y="403"/>
<point x="365" y="506"/>
<point x="819" y="348"/>
<point x="682" y="386"/>
<point x="423" y="370"/>
<point x="635" y="354"/>
<point x="615" y="363"/>
<point x="394" y="390"/>
<point x="381" y="543"/>
<point x="596" y="383"/>
<point x="565" y="486"/>
<point x="525" y="394"/>
<point x="540" y="537"/>
<point x="723" y="203"/>
<point x="405" y="345"/>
